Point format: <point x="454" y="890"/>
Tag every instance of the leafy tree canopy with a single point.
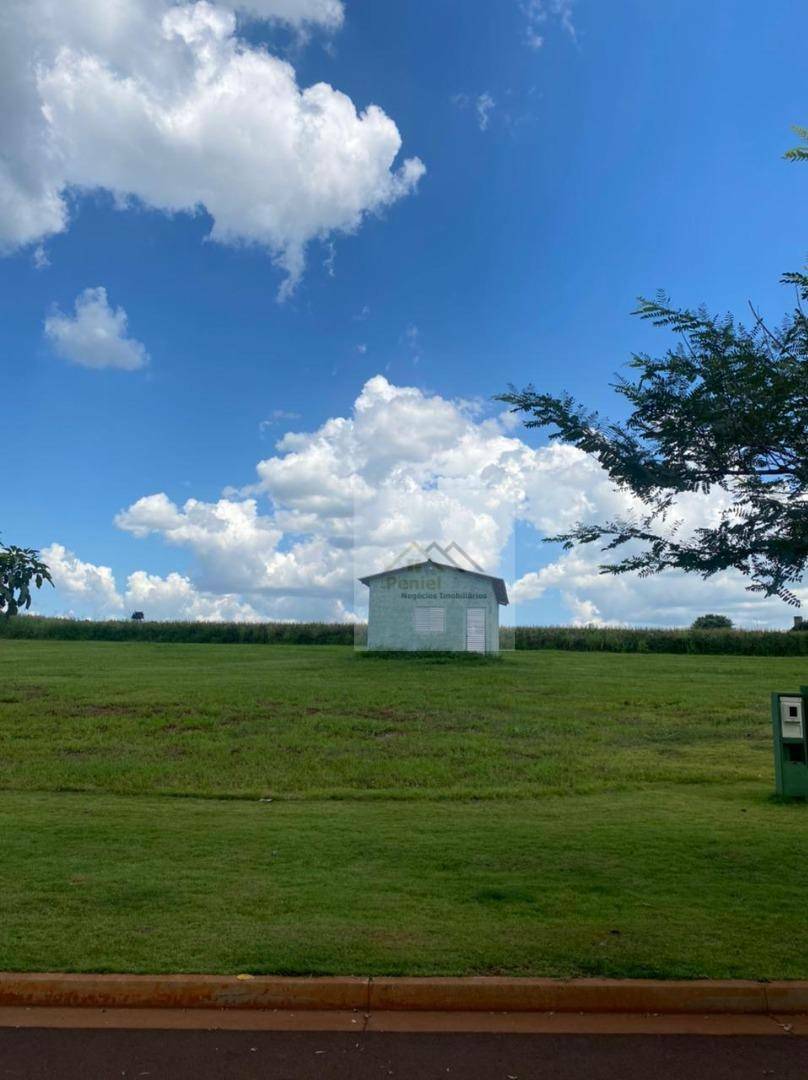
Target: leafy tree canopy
<point x="726" y="408"/>
<point x="712" y="622"/>
<point x="799" y="153"/>
<point x="19" y="567"/>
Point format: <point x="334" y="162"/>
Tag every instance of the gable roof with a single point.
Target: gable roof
<point x="500" y="592"/>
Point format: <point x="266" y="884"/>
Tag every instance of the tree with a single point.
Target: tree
<point x="727" y="408"/>
<point x="18" y="568"/>
<point x="138" y="616"/>
<point x="712" y="622"/>
<point x="798" y="153"/>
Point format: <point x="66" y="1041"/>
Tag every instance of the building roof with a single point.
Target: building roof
<point x="500" y="592"/>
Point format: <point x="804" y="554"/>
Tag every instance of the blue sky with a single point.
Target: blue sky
<point x="638" y="147"/>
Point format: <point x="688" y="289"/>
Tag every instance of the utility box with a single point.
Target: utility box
<point x="790" y="729"/>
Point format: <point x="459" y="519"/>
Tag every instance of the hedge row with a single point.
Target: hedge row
<point x="639" y="640"/>
<point x="583" y="639"/>
<point x="216" y="633"/>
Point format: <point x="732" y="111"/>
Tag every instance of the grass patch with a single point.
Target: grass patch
<point x="429" y="656"/>
<point x="548" y="814"/>
<point x="668" y="883"/>
<point x="294" y="722"/>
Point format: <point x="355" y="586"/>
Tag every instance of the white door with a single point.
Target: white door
<point x="475" y="629"/>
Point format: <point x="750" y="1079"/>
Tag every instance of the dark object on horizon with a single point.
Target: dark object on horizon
<point x="712" y="622"/>
<point x="800" y="623"/>
<point x="138" y="616"/>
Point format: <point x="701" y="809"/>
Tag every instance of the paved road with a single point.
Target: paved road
<point x="54" y="1054"/>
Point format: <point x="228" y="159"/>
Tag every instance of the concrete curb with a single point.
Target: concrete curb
<point x="184" y="991"/>
<point x="483" y="994"/>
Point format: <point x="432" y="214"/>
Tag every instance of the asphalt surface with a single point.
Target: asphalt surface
<point x="58" y="1054"/>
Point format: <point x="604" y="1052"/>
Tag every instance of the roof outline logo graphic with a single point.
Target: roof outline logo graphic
<point x="414" y="548"/>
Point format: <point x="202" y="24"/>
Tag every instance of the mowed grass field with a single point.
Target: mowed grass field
<point x="311" y="810"/>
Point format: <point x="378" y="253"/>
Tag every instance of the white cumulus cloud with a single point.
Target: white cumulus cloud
<point x="347" y="497"/>
<point x="164" y="103"/>
<point x="175" y="597"/>
<point x="326" y="13"/>
<point x="95" y="336"/>
<point x="344" y="499"/>
<point x="82" y="585"/>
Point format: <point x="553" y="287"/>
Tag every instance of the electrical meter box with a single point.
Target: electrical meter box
<point x="790" y="729"/>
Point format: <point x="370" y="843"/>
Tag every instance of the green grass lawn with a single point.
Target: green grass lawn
<point x="549" y="813"/>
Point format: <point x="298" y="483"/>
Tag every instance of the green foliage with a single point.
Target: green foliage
<point x="578" y="639"/>
<point x="19" y="567"/>
<point x="626" y="639"/>
<point x="724" y="409"/>
<point x="222" y="633"/>
<point x="712" y="622"/>
<point x="798" y="153"/>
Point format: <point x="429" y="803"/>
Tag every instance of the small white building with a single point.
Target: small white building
<point x="434" y="606"/>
